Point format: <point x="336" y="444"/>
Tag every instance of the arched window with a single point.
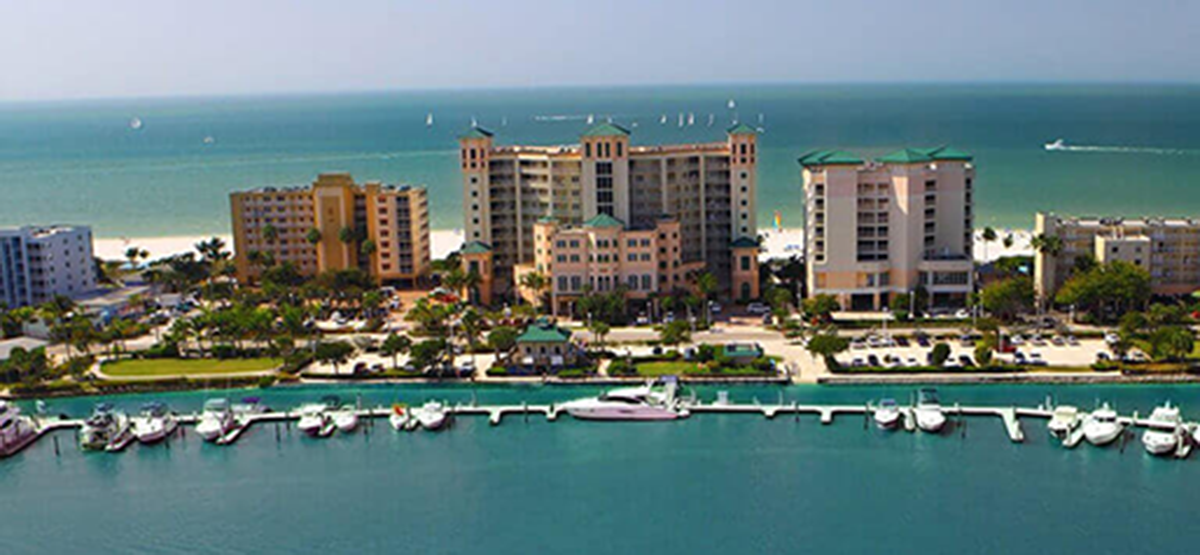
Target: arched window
<point x="745" y="291"/>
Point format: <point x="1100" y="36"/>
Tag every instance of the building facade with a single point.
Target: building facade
<point x="898" y="224"/>
<point x="388" y="228"/>
<point x="39" y="263"/>
<point x="1169" y="249"/>
<point x="708" y="188"/>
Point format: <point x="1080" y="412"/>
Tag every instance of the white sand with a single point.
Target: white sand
<point x="783" y="243"/>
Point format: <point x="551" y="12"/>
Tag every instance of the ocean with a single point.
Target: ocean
<point x="82" y="162"/>
<point x="708" y="484"/>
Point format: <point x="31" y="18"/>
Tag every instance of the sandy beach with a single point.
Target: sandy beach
<point x="783" y="243"/>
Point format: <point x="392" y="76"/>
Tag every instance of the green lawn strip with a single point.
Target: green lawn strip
<point x="187" y="367"/>
<point x="666" y="368"/>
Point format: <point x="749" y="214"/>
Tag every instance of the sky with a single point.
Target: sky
<point x="60" y="49"/>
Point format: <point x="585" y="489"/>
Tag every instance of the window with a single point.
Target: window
<point x="646" y="282"/>
<point x="633" y="282"/>
<point x="745" y="263"/>
<point x="562" y="283"/>
<point x="618" y="150"/>
<point x="587" y="149"/>
<point x="632" y="243"/>
<point x="632" y="257"/>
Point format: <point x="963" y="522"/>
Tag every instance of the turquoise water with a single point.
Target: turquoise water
<point x="709" y="484"/>
<point x="81" y="162"/>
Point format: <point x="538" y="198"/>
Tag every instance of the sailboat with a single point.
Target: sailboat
<point x="135" y="124"/>
<point x="591" y="119"/>
<point x="663" y="120"/>
<point x="474" y="123"/>
<point x="691" y="118"/>
<point x="681" y="119"/>
<point x="760" y="118"/>
<point x="732" y="104"/>
<point x="711" y="119"/>
<point x="429" y="120"/>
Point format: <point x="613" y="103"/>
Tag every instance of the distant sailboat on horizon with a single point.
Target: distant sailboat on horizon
<point x="681" y="119"/>
<point x="711" y="119"/>
<point x="474" y="122"/>
<point x="760" y="118"/>
<point x="663" y="120"/>
<point x="429" y="120"/>
<point x="135" y="124"/>
<point x="732" y="104"/>
<point x="691" y="118"/>
<point x="591" y="119"/>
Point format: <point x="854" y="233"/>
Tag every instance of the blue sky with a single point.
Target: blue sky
<point x="52" y="49"/>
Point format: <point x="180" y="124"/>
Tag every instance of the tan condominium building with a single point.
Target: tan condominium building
<point x="709" y="189"/>
<point x="334" y="224"/>
<point x="1168" y="248"/>
<point x="604" y="255"/>
<point x="898" y="224"/>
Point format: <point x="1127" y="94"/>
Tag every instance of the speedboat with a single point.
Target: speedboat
<point x="928" y="412"/>
<point x="433" y="415"/>
<point x="1162" y="430"/>
<point x="1101" y="427"/>
<point x="401" y="418"/>
<point x="249" y="406"/>
<point x="16" y="431"/>
<point x="647" y="402"/>
<point x="216" y="420"/>
<point x="105" y="429"/>
<point x="315" y="421"/>
<point x="887" y="414"/>
<point x="1056" y="145"/>
<point x="346" y="419"/>
<point x="1063" y="420"/>
<point x="154" y="423"/>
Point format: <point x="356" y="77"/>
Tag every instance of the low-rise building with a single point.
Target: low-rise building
<point x="335" y="224"/>
<point x="38" y="263"/>
<point x="1167" y="248"/>
<point x="544" y="345"/>
<point x="897" y="224"/>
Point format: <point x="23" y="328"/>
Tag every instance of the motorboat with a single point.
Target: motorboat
<point x="16" y="431"/>
<point x="154" y="423"/>
<point x="887" y="414"/>
<point x="315" y="420"/>
<point x="1056" y="145"/>
<point x="106" y="429"/>
<point x="401" y="418"/>
<point x="433" y="415"/>
<point x="1101" y="427"/>
<point x="346" y="419"/>
<point x="216" y="420"/>
<point x="928" y="411"/>
<point x="249" y="406"/>
<point x="1162" y="430"/>
<point x="1064" y="420"/>
<point x="647" y="402"/>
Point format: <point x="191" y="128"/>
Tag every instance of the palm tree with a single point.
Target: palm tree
<point x="1008" y="241"/>
<point x="706" y="285"/>
<point x="394" y="346"/>
<point x="537" y="283"/>
<point x="367" y="248"/>
<point x="270" y="233"/>
<point x="1051" y="245"/>
<point x="988" y="236"/>
<point x="313" y="236"/>
<point x="346" y="235"/>
<point x="133" y="254"/>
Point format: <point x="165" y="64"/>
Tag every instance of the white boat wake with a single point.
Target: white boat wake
<point x="1062" y="146"/>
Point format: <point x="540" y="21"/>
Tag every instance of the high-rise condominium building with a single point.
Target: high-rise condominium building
<point x="898" y="224"/>
<point x="708" y="188"/>
<point x="39" y="263"/>
<point x="335" y="224"/>
<point x="1169" y="249"/>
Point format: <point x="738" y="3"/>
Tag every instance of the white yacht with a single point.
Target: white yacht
<point x="433" y="415"/>
<point x="16" y="431"/>
<point x="647" y="402"/>
<point x="928" y="412"/>
<point x="887" y="414"/>
<point x="154" y="423"/>
<point x="216" y="420"/>
<point x="106" y="429"/>
<point x="346" y="419"/>
<point x="401" y="418"/>
<point x="1056" y="145"/>
<point x="315" y="420"/>
<point x="135" y="124"/>
<point x="1162" y="430"/>
<point x="1101" y="427"/>
<point x="1064" y="420"/>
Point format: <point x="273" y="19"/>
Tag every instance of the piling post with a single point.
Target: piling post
<point x="866" y="415"/>
<point x="525" y="410"/>
<point x="277" y="440"/>
<point x="57" y="453"/>
<point x="796" y="411"/>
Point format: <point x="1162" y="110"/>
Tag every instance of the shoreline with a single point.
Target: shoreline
<point x="777" y="243"/>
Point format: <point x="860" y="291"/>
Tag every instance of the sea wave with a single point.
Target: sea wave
<point x="560" y="117"/>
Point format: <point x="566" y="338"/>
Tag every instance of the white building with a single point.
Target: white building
<point x="38" y="263"/>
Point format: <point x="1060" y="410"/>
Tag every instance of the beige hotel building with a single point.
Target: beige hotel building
<point x="1168" y="248"/>
<point x="877" y="228"/>
<point x="707" y="189"/>
<point x="279" y="223"/>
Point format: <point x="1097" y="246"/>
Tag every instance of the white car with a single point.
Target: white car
<point x="715" y="307"/>
<point x="1111" y="338"/>
<point x="758" y="308"/>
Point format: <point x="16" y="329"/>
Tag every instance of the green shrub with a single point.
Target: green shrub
<point x="621" y="367"/>
<point x="497" y="371"/>
<point x="941" y="352"/>
<point x="266" y="381"/>
<point x="705" y="352"/>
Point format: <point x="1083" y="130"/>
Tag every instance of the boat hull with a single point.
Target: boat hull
<point x="648" y="414"/>
<point x="887" y="419"/>
<point x="929" y="420"/>
<point x="1102" y="435"/>
<point x="1159" y="443"/>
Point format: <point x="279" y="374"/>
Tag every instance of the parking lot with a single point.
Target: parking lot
<point x="899" y="351"/>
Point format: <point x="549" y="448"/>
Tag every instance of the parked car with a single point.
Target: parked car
<point x="758" y="308"/>
<point x="1103" y="357"/>
<point x="902" y="341"/>
<point x="1058" y="341"/>
<point x="643" y="320"/>
<point x="923" y="341"/>
<point x="965" y="361"/>
<point x="360" y="368"/>
<point x="1111" y="338"/>
<point x="714" y="307"/>
<point x="858" y="362"/>
<point x="873" y="360"/>
<point x="1072" y="341"/>
<point x="1019" y="358"/>
<point x="911" y="362"/>
<point x="1035" y="359"/>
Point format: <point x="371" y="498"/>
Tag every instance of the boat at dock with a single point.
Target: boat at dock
<point x="315" y="418"/>
<point x="1162" y="433"/>
<point x="106" y="429"/>
<point x="1102" y="427"/>
<point x="1064" y="420"/>
<point x="153" y="423"/>
<point x="432" y="416"/>
<point x="887" y="414"/>
<point x="647" y="402"/>
<point x="928" y="411"/>
<point x="216" y="420"/>
<point x="16" y="431"/>
<point x="401" y="418"/>
<point x="346" y="419"/>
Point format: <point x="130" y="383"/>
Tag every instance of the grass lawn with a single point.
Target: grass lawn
<point x="666" y="368"/>
<point x="187" y="367"/>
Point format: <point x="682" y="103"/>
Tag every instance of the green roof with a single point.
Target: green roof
<point x="744" y="242"/>
<point x="603" y="220"/>
<point x="547" y="220"/>
<point x="477" y="133"/>
<point x="741" y="350"/>
<point x="742" y="129"/>
<point x="829" y="158"/>
<point x="906" y="156"/>
<point x="543" y="331"/>
<point x="605" y="130"/>
<point x="949" y="153"/>
<point x="475" y="247"/>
